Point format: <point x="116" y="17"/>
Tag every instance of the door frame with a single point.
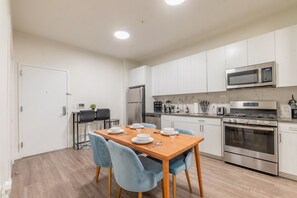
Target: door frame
<point x="20" y="119"/>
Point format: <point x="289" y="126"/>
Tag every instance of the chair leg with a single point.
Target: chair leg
<point x="119" y="192"/>
<point x="139" y="194"/>
<point x="97" y="173"/>
<point x="174" y="186"/>
<point x="109" y="181"/>
<point x="162" y="188"/>
<point x="188" y="179"/>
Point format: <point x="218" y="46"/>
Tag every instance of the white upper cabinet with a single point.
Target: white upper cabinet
<point x="172" y="78"/>
<point x="236" y="55"/>
<point x="261" y="49"/>
<point x="184" y="75"/>
<point x="198" y="73"/>
<point x="162" y="79"/>
<point x="286" y="56"/>
<point x="137" y="76"/>
<point x="216" y="69"/>
<point x="168" y="78"/>
<point x="155" y="80"/>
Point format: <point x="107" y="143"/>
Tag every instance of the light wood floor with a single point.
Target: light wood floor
<point x="70" y="173"/>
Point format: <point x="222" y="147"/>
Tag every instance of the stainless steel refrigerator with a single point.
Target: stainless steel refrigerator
<point x="136" y="104"/>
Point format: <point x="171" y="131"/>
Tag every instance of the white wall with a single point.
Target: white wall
<point x="93" y="78"/>
<point x="5" y="90"/>
<point x="268" y="24"/>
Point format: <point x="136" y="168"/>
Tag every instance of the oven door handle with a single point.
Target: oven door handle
<point x="247" y="127"/>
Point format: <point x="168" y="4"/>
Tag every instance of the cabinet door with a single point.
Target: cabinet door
<point x="288" y="153"/>
<point x="137" y="76"/>
<point x="195" y="127"/>
<point x="212" y="140"/>
<point x="184" y="75"/>
<point x="171" y="78"/>
<point x="162" y="79"/>
<point x="198" y="73"/>
<point x="286" y="56"/>
<point x="261" y="49"/>
<point x="236" y="54"/>
<point x="216" y="69"/>
<point x="155" y="80"/>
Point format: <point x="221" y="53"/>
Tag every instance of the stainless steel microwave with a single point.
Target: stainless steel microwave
<point x="251" y="76"/>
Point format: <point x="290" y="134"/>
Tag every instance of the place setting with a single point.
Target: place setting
<point x="136" y="126"/>
<point x="116" y="130"/>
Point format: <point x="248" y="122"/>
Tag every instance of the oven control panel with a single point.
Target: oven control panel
<point x="250" y="121"/>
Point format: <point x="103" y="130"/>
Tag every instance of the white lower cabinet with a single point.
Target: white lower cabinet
<point x="209" y="128"/>
<point x="288" y="150"/>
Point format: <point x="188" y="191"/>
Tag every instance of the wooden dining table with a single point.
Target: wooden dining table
<point x="170" y="148"/>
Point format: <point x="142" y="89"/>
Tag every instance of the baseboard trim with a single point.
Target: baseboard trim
<point x="5" y="189"/>
<point x="288" y="176"/>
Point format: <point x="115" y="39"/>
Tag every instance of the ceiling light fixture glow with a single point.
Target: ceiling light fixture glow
<point x="174" y="2"/>
<point x="121" y="35"/>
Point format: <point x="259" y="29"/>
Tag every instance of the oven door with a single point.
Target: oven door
<point x="253" y="141"/>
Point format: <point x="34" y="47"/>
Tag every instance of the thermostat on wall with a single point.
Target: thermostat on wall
<point x="81" y="105"/>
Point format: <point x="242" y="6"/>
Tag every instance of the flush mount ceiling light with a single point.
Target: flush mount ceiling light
<point x="174" y="2"/>
<point x="121" y="35"/>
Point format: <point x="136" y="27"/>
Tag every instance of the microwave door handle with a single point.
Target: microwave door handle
<point x="259" y="75"/>
<point x="247" y="127"/>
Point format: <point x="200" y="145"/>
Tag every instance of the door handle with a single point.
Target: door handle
<point x="64" y="111"/>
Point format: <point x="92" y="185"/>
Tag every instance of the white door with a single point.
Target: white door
<point x="43" y="119"/>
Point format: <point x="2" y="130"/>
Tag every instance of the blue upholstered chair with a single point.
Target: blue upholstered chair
<point x="149" y="125"/>
<point x="133" y="173"/>
<point x="101" y="156"/>
<point x="181" y="163"/>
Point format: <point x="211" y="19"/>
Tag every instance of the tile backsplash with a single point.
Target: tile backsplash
<point x="281" y="95"/>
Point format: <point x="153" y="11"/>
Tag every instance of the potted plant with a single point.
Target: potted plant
<point x="93" y="107"/>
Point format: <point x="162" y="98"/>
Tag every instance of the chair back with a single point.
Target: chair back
<point x="188" y="154"/>
<point x="128" y="169"/>
<point x="86" y="116"/>
<point x="103" y="114"/>
<point x="149" y="125"/>
<point x="100" y="150"/>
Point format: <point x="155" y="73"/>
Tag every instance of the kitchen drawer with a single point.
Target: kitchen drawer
<point x="174" y="118"/>
<point x="287" y="127"/>
<point x="209" y="121"/>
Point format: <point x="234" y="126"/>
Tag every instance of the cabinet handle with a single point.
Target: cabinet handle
<point x="280" y="138"/>
<point x="203" y="128"/>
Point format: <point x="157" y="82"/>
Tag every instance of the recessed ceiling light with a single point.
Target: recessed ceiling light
<point x="121" y="35"/>
<point x="174" y="2"/>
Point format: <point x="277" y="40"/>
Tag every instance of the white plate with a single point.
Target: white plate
<point x="115" y="132"/>
<point x="169" y="132"/>
<point x="137" y="141"/>
<point x="136" y="127"/>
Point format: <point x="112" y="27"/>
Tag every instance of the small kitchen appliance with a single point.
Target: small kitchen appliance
<point x="157" y="106"/>
<point x="221" y="110"/>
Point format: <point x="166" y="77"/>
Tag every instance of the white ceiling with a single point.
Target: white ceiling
<point x="155" y="27"/>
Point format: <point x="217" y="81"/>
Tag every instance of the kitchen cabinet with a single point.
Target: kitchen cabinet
<point x="288" y="150"/>
<point x="236" y="55"/>
<point x="286" y="56"/>
<point x="155" y="80"/>
<point x="142" y="76"/>
<point x="261" y="49"/>
<point x="185" y="75"/>
<point x="137" y="76"/>
<point x="198" y="73"/>
<point x="167" y="78"/>
<point x="192" y="74"/>
<point x="216" y="70"/>
<point x="209" y="128"/>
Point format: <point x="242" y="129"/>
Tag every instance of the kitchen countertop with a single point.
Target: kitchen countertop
<point x="186" y="114"/>
<point x="287" y="120"/>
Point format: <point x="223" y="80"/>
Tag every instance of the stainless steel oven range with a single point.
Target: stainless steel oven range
<point x="250" y="135"/>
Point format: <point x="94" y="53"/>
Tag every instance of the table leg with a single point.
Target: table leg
<point x="198" y="166"/>
<point x="166" y="187"/>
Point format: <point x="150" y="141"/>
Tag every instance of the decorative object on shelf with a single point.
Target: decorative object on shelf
<point x="204" y="105"/>
<point x="93" y="107"/>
